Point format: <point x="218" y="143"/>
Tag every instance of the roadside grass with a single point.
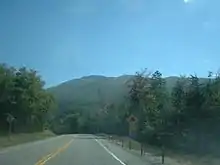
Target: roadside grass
<point x="171" y="157"/>
<point x="16" y="139"/>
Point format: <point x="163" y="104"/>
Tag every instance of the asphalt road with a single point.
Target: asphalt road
<point x="69" y="150"/>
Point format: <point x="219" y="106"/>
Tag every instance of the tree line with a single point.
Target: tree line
<point x="23" y="98"/>
<point x="190" y="110"/>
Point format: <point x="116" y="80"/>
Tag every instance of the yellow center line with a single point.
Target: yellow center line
<point x="42" y="159"/>
<point x="53" y="154"/>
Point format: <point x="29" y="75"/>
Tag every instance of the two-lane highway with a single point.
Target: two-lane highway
<point x="68" y="150"/>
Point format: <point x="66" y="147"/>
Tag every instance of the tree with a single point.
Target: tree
<point x="22" y="95"/>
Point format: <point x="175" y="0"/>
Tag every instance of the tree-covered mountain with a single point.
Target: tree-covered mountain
<point x="95" y="89"/>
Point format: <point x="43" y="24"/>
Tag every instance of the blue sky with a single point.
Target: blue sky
<point x="73" y="38"/>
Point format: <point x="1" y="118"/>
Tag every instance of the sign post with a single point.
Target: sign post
<point x="10" y="120"/>
<point x="132" y="121"/>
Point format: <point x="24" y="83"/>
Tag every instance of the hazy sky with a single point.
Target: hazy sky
<point x="64" y="39"/>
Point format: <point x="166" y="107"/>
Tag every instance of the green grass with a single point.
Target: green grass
<point x="16" y="139"/>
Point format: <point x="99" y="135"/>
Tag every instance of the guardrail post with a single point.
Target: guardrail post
<point x="129" y="144"/>
<point x="142" y="149"/>
<point x="163" y="154"/>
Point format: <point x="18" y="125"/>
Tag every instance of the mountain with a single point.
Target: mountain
<point x="91" y="89"/>
<point x="92" y="92"/>
<point x="95" y="89"/>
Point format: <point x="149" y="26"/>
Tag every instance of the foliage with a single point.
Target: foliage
<point x="22" y="95"/>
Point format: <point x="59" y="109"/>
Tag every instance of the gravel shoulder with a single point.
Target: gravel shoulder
<point x="21" y="138"/>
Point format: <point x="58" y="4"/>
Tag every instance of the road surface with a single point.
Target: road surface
<point x="69" y="150"/>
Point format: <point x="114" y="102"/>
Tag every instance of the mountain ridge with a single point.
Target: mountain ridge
<point x="94" y="88"/>
<point x="100" y="77"/>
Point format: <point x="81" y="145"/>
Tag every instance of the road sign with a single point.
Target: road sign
<point x="132" y="119"/>
<point x="10" y="118"/>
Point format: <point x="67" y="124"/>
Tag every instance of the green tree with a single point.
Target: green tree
<point x="22" y="95"/>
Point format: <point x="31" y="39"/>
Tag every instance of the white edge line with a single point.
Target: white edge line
<point x="113" y="155"/>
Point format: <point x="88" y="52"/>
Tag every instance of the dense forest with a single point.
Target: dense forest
<point x="185" y="116"/>
<point x="24" y="102"/>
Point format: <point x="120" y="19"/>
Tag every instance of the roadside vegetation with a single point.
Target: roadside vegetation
<point x="24" y="104"/>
